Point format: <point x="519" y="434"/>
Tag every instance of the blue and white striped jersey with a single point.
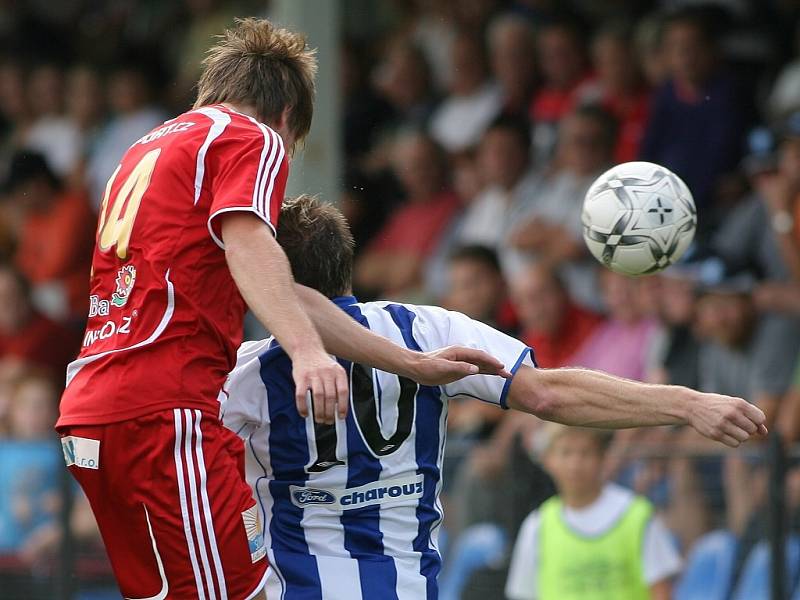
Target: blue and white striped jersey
<point x="351" y="511"/>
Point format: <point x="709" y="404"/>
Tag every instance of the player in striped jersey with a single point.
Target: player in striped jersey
<point x="351" y="509"/>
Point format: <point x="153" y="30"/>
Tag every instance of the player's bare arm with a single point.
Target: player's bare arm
<point x="344" y="337"/>
<point x="261" y="272"/>
<point x="594" y="399"/>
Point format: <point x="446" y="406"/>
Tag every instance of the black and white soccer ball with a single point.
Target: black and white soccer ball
<point x="638" y="218"/>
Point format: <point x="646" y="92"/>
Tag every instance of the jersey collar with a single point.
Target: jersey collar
<point x="344" y="301"/>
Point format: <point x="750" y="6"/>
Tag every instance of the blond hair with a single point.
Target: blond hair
<point x="264" y="66"/>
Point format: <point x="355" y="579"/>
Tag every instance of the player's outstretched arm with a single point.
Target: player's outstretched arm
<point x="594" y="399"/>
<point x="261" y="272"/>
<point x="344" y="337"/>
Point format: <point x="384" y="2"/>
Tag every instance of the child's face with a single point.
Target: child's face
<point x="575" y="461"/>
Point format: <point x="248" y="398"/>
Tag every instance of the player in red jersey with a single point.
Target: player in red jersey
<point x="184" y="244"/>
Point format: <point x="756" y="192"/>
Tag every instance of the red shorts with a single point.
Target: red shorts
<point x="169" y="495"/>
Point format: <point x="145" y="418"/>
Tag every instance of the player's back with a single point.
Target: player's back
<point x="352" y="509"/>
<point x="165" y="315"/>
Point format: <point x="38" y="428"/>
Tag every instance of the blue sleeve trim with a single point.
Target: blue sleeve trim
<point x="523" y="355"/>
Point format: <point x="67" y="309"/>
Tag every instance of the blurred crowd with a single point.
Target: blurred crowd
<point x="471" y="130"/>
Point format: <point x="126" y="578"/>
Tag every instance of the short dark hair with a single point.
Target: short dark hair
<point x="318" y="243"/>
<point x="25" y="166"/>
<point x="607" y="122"/>
<point x="516" y="124"/>
<point x="476" y="253"/>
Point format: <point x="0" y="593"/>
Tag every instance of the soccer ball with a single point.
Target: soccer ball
<point x="638" y="218"/>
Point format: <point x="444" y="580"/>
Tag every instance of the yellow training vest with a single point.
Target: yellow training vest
<point x="605" y="567"/>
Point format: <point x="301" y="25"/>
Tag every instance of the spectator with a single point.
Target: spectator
<point x="86" y="109"/>
<point x="433" y="31"/>
<point x="780" y="192"/>
<point x="745" y="353"/>
<point x="512" y="50"/>
<point x="551" y="323"/>
<point x="745" y="238"/>
<point x="594" y="539"/>
<point x="618" y="87"/>
<point x="14" y="109"/>
<point x="392" y="263"/>
<point x="504" y="166"/>
<point x="550" y="229"/>
<point x="404" y="80"/>
<point x="30" y="462"/>
<point x="462" y="117"/>
<point x="649" y="51"/>
<point x="626" y="329"/>
<point x="697" y="119"/>
<point x="476" y="287"/>
<point x="133" y="115"/>
<point x="752" y="356"/>
<point x="52" y="132"/>
<point x="55" y="238"/>
<point x="25" y="334"/>
<point x="360" y="104"/>
<point x="563" y="65"/>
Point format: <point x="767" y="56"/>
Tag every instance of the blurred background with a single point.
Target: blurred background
<point x="459" y="137"/>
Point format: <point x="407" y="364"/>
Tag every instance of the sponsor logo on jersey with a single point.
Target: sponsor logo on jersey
<point x="254" y="529"/>
<point x="98" y="307"/>
<point x="385" y="492"/>
<point x="306" y="496"/>
<point x="126" y="278"/>
<point x="81" y="452"/>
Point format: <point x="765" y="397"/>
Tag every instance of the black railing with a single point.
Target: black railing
<point x="777" y="518"/>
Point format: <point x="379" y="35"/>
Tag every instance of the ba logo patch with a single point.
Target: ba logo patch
<point x="254" y="529"/>
<point x="126" y="278"/>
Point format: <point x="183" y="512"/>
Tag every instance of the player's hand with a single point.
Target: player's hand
<point x="315" y="372"/>
<point x="453" y="363"/>
<point x="726" y="419"/>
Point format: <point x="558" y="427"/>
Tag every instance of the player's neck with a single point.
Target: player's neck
<point x="245" y="109"/>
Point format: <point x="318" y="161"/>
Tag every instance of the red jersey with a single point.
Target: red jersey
<point x="165" y="316"/>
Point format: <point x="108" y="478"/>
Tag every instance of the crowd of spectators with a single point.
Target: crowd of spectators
<point x="475" y="130"/>
<point x="471" y="130"/>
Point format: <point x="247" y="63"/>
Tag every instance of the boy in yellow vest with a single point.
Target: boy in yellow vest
<point x="594" y="540"/>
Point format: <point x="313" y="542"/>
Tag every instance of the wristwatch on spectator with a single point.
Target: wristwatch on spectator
<point x="782" y="222"/>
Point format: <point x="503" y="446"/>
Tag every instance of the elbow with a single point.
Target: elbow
<point x="546" y="404"/>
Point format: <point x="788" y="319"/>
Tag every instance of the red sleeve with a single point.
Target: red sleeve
<point x="248" y="174"/>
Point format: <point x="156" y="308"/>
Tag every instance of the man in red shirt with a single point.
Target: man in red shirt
<point x="184" y="244"/>
<point x="26" y="335"/>
<point x="551" y="323"/>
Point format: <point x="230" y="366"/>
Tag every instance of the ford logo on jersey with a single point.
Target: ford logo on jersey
<point x="306" y="496"/>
